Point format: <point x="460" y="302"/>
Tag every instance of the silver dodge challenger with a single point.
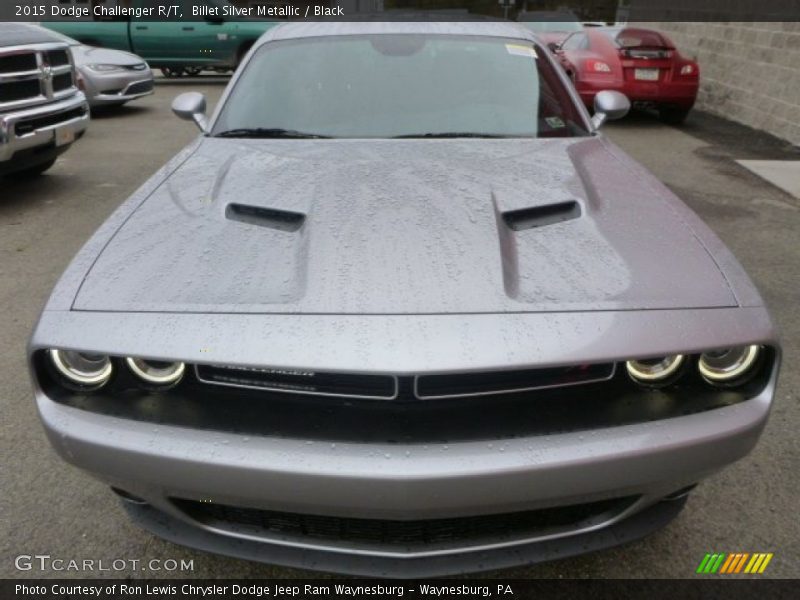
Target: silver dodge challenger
<point x="402" y="310"/>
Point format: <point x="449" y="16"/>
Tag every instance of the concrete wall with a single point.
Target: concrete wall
<point x="749" y="72"/>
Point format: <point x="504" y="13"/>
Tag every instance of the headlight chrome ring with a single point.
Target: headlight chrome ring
<point x="656" y="371"/>
<point x="728" y="365"/>
<point x="156" y="373"/>
<point x="83" y="370"/>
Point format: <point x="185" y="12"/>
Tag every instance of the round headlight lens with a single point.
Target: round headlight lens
<point x="654" y="371"/>
<point x="729" y="364"/>
<point x="82" y="369"/>
<point x="156" y="372"/>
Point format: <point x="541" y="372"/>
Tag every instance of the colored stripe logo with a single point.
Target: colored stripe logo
<point x="735" y="562"/>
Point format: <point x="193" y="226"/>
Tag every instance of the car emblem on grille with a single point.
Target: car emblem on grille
<point x="46" y="70"/>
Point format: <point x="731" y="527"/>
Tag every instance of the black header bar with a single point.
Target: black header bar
<point x="708" y="588"/>
<point x="597" y="11"/>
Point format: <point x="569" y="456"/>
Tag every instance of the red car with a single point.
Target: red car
<point x="641" y="63"/>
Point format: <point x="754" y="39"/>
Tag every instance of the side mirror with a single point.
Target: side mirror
<point x="554" y="46"/>
<point x="191" y="106"/>
<point x="609" y="105"/>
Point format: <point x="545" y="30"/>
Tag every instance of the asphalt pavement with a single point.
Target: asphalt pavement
<point x="48" y="507"/>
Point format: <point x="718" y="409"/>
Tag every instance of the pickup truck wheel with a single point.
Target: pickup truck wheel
<point x="31" y="172"/>
<point x="193" y="71"/>
<point x="172" y="72"/>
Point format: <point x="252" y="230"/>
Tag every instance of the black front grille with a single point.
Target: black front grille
<point x="383" y="532"/>
<point x="62" y="82"/>
<point x="30" y="125"/>
<point x="423" y="387"/>
<point x="57" y="58"/>
<point x="19" y="90"/>
<point x="17" y="63"/>
<point x="141" y="87"/>
<point x="302" y="382"/>
<point x="501" y="382"/>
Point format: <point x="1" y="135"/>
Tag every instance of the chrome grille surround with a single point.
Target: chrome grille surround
<point x="17" y="67"/>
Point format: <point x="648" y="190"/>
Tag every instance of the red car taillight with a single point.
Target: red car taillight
<point x="597" y="66"/>
<point x="689" y="70"/>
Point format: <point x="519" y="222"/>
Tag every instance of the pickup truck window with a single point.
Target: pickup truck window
<point x="388" y="86"/>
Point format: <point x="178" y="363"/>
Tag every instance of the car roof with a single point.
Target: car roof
<point x="298" y="30"/>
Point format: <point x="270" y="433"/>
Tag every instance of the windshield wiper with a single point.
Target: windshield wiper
<point x="452" y="134"/>
<point x="271" y="132"/>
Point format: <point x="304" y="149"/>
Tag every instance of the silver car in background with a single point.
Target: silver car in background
<point x="108" y="77"/>
<point x="402" y="310"/>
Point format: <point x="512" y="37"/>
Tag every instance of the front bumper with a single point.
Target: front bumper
<point x="107" y="89"/>
<point x="75" y="112"/>
<point x="178" y="531"/>
<point x="403" y="482"/>
<point x="677" y="94"/>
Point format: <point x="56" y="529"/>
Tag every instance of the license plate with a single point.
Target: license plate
<point x="64" y="136"/>
<point x="646" y="74"/>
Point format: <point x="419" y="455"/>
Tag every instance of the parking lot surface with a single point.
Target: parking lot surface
<point x="48" y="507"/>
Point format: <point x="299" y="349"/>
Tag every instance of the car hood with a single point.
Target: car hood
<point x="405" y="227"/>
<point x="90" y="55"/>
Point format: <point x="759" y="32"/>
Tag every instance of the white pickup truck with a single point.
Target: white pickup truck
<point x="42" y="111"/>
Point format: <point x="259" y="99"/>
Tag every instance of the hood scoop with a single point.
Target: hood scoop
<point x="282" y="220"/>
<point x="403" y="227"/>
<point x="539" y="216"/>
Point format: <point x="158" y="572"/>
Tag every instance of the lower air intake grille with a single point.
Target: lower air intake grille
<point x="31" y="125"/>
<point x="140" y="87"/>
<point x="380" y="532"/>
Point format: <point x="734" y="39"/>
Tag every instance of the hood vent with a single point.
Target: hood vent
<point x="539" y="216"/>
<point x="283" y="220"/>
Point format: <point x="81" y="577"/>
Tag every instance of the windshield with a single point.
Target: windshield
<point x="403" y="85"/>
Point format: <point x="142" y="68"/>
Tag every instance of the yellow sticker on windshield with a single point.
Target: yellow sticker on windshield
<point x="520" y="50"/>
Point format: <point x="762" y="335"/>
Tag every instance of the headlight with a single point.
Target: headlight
<point x="102" y="68"/>
<point x="156" y="372"/>
<point x="655" y="371"/>
<point x="729" y="364"/>
<point x="83" y="370"/>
